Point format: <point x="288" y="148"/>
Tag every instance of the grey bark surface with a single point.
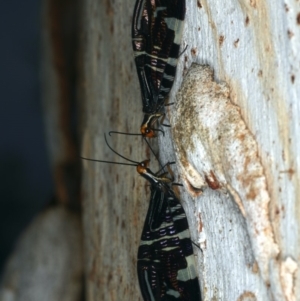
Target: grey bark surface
<point x="244" y="216"/>
<point x="115" y="198"/>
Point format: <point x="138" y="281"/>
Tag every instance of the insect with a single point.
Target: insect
<point x="166" y="264"/>
<point x="156" y="35"/>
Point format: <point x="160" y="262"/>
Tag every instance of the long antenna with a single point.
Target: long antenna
<point x="118" y="153"/>
<point x="135" y="134"/>
<point x="156" y="157"/>
<point x="103" y="161"/>
<point x="112" y="162"/>
<point x="122" y="133"/>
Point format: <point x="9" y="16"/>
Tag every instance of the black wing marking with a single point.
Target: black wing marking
<point x="166" y="268"/>
<point x="156" y="34"/>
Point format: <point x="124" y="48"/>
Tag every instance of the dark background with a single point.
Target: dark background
<point x="25" y="181"/>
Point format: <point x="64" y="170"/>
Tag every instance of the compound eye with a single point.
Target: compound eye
<point x="142" y="167"/>
<point x="150" y="133"/>
<point x="147" y="131"/>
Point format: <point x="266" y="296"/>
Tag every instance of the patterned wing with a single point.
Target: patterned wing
<point x="166" y="267"/>
<point x="156" y="35"/>
<point x="141" y="28"/>
<point x="164" y="44"/>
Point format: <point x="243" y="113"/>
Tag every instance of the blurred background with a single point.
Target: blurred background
<point x="26" y="184"/>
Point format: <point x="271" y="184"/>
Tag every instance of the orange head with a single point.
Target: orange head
<point x="147" y="131"/>
<point x="142" y="167"/>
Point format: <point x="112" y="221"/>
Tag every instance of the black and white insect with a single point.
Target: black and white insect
<point x="166" y="264"/>
<point x="156" y="36"/>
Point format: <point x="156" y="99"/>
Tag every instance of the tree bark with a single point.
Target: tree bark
<point x="240" y="191"/>
<point x="233" y="135"/>
<point x="115" y="198"/>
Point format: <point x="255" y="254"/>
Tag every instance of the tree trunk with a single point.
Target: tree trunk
<point x="233" y="136"/>
<point x="234" y="144"/>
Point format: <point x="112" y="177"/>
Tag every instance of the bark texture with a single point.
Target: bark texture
<point x="234" y="133"/>
<point x="115" y="197"/>
<point x="242" y="202"/>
